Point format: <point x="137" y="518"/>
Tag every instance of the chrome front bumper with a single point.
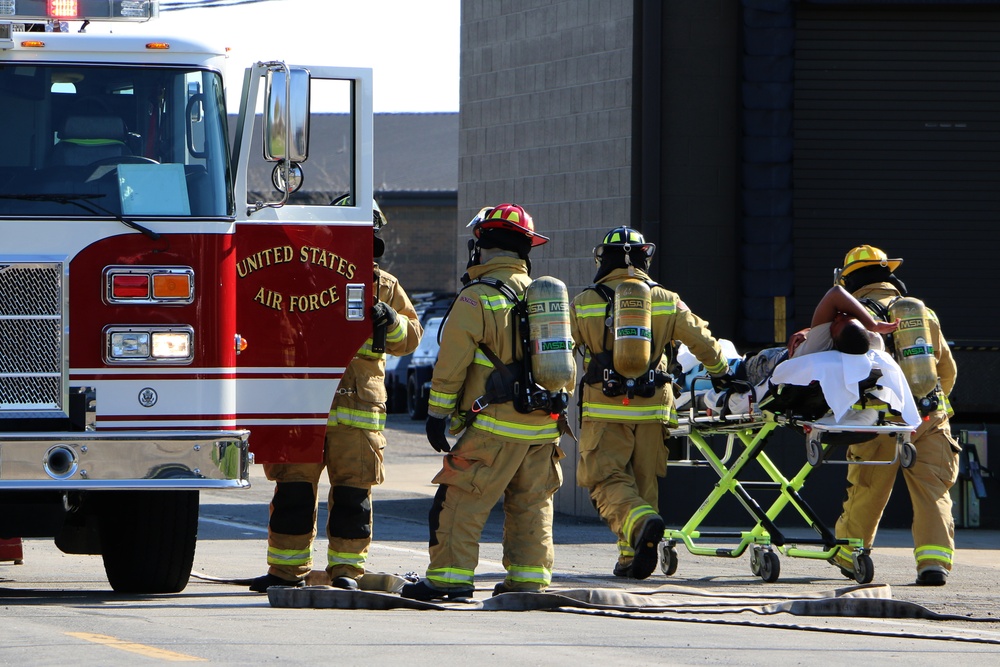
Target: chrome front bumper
<point x="90" y="460"/>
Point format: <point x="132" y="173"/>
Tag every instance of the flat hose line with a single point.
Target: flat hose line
<point x="667" y="603"/>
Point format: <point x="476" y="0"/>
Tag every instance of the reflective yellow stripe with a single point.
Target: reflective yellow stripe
<point x="933" y="552"/>
<point x="635" y="516"/>
<point x="625" y="549"/>
<point x="397" y="333"/>
<point x="364" y="419"/>
<point x="482" y="359"/>
<point x="625" y="412"/>
<point x="591" y="310"/>
<point x="530" y="575"/>
<point x="366" y="351"/>
<point x="495" y="302"/>
<point x="515" y="431"/>
<point x="343" y="558"/>
<point x="288" y="556"/>
<point x="719" y="368"/>
<point x="442" y="401"/>
<point x="664" y="308"/>
<point x="452" y="577"/>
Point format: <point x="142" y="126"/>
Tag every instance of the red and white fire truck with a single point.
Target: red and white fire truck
<point x="164" y="320"/>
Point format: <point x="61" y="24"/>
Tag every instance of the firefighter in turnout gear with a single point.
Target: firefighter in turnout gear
<point x="353" y="453"/>
<point x="869" y="275"/>
<point x="622" y="451"/>
<point x="504" y="452"/>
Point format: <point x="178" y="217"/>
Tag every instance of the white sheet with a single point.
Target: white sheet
<point x="839" y="374"/>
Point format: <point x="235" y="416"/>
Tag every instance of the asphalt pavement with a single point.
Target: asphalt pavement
<point x="58" y="608"/>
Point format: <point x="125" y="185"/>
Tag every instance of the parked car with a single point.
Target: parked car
<point x="427" y="305"/>
<point x="420" y="370"/>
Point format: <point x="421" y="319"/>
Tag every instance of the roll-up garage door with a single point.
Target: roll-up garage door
<point x="897" y="144"/>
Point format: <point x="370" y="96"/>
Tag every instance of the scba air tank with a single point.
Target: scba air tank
<point x="914" y="351"/>
<point x="552" y="362"/>
<point x="633" y="329"/>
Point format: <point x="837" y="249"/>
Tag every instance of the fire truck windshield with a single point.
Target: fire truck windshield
<point x="130" y="141"/>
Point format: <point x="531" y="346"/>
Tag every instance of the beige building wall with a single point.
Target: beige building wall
<point x="545" y="122"/>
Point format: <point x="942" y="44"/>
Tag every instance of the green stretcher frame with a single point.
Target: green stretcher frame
<point x="752" y="431"/>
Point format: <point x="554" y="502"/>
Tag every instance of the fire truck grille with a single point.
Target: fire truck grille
<point x="32" y="369"/>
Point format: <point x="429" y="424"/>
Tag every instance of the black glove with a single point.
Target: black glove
<point x="727" y="382"/>
<point x="721" y="383"/>
<point x="436" y="427"/>
<point x="383" y="315"/>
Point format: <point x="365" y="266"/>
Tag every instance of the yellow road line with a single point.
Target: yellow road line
<point x="141" y="649"/>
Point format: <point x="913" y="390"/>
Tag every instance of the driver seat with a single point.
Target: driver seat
<point x="86" y="139"/>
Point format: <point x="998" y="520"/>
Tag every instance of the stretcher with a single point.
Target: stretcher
<point x="746" y="436"/>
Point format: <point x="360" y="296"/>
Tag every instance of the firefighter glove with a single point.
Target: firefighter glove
<point x="383" y="315"/>
<point x="436" y="427"/>
<point x="722" y="382"/>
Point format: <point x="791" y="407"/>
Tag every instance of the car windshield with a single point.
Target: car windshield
<point x="99" y="140"/>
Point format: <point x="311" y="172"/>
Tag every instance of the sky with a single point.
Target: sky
<point x="412" y="46"/>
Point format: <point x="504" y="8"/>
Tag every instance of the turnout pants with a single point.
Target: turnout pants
<point x="928" y="481"/>
<point x="354" y="463"/>
<point x="620" y="464"/>
<point x="478" y="471"/>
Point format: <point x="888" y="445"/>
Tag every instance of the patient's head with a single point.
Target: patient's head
<point x="849" y="335"/>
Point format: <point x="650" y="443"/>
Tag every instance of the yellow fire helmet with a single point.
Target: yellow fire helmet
<point x="865" y="255"/>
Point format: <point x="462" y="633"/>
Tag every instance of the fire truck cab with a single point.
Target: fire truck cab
<point x="165" y="319"/>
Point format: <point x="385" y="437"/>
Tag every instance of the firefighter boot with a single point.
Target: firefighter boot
<point x="933" y="575"/>
<point x="423" y="592"/>
<point x="646" y="547"/>
<point x="265" y="581"/>
<point x="346" y="583"/>
<point x="502" y="588"/>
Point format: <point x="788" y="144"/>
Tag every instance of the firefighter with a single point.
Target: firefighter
<point x="503" y="452"/>
<point x="353" y="451"/>
<point x="869" y="275"/>
<point x="622" y="451"/>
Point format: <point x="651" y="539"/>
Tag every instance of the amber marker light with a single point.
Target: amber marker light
<point x="32" y="44"/>
<point x="172" y="286"/>
<point x="158" y="46"/>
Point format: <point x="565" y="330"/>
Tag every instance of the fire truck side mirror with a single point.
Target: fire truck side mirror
<point x="286" y="116"/>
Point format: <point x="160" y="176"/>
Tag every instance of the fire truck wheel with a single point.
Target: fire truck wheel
<point x="148" y="539"/>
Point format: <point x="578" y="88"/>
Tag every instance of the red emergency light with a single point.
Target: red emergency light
<point x="63" y="9"/>
<point x="130" y="286"/>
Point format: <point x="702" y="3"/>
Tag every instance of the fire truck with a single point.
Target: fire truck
<point x="166" y="318"/>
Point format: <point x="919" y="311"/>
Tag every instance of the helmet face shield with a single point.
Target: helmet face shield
<point x="628" y="240"/>
<point x="378" y="217"/>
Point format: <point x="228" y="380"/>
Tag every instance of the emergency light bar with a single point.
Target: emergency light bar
<point x="79" y="10"/>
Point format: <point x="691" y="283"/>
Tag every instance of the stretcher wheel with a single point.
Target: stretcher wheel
<point x="864" y="569"/>
<point x="770" y="567"/>
<point x="668" y="559"/>
<point x="907" y="455"/>
<point x="755" y="553"/>
<point x="814" y="452"/>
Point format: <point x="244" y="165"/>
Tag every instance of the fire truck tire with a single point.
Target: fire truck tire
<point x="148" y="540"/>
<point x="416" y="402"/>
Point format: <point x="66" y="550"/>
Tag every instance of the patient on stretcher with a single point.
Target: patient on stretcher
<point x="842" y="353"/>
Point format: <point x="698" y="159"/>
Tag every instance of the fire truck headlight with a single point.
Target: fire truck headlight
<point x="149" y="345"/>
<point x="129" y="345"/>
<point x="171" y="345"/>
